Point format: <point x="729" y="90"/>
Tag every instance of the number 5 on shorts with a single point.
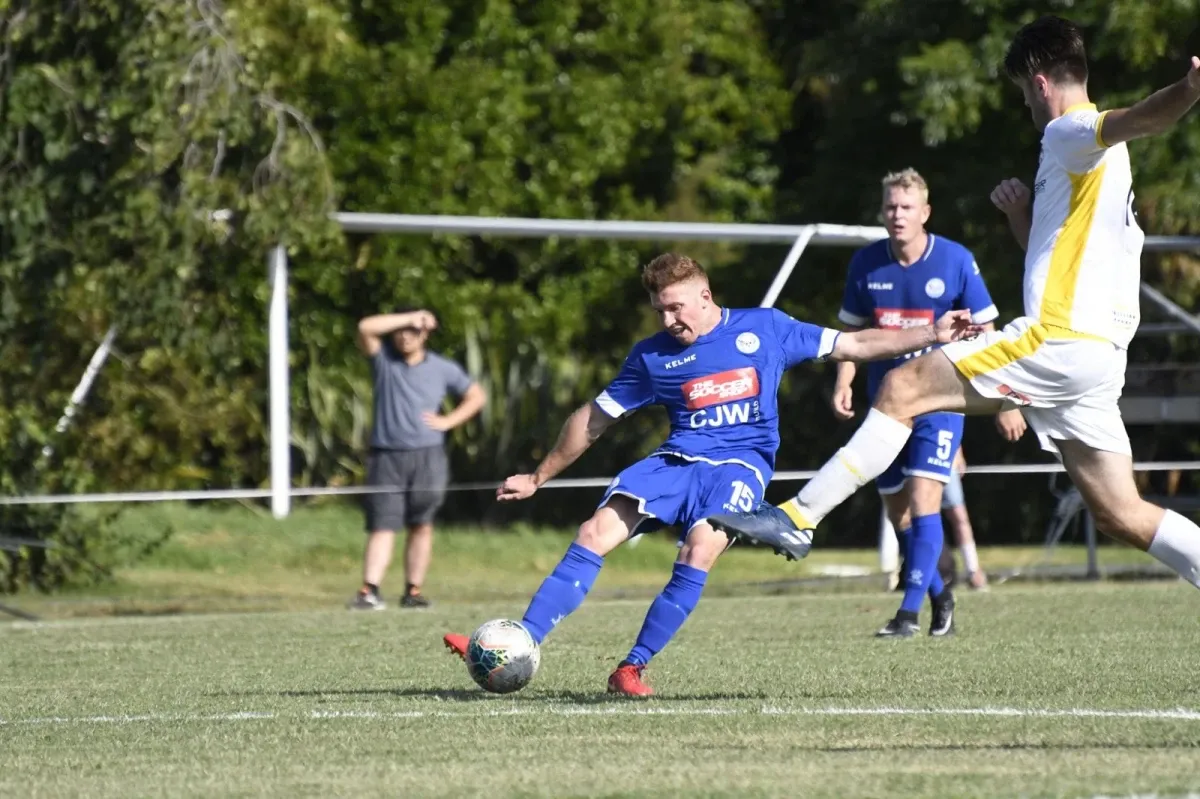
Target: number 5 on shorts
<point x="742" y="497"/>
<point x="945" y="443"/>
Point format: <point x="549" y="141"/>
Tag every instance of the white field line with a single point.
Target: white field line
<point x="1180" y="714"/>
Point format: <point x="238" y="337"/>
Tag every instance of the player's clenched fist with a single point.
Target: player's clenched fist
<point x="1011" y="196"/>
<point x="519" y="486"/>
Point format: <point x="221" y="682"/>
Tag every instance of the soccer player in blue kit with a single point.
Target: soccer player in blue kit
<point x="716" y="371"/>
<point x="908" y="280"/>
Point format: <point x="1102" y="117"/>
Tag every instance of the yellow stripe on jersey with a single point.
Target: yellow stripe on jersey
<point x="1058" y="297"/>
<point x="1002" y="353"/>
<point x="1099" y="127"/>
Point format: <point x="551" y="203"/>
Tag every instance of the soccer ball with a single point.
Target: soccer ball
<point x="502" y="656"/>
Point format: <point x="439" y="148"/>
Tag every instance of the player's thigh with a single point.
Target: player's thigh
<point x="702" y="546"/>
<point x="928" y="384"/>
<point x="646" y="493"/>
<point x="1105" y="480"/>
<point x="612" y="524"/>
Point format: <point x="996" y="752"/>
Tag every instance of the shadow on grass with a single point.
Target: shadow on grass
<point x="477" y="695"/>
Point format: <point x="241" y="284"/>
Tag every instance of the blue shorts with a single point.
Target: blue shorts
<point x="929" y="452"/>
<point x="673" y="490"/>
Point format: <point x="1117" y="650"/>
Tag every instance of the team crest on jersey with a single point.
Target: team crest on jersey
<point x="747" y="343"/>
<point x="734" y="384"/>
<point x="935" y="288"/>
<point x="901" y="318"/>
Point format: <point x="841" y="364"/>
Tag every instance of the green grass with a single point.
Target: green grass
<point x="238" y="558"/>
<point x="757" y="696"/>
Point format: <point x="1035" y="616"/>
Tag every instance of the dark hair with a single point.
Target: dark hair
<point x="668" y="269"/>
<point x="1050" y="46"/>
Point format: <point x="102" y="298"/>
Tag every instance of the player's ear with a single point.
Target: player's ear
<point x="926" y="212"/>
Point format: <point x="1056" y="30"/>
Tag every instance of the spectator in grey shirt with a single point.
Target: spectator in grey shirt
<point x="408" y="446"/>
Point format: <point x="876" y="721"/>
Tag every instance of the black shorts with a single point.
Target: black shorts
<point x="420" y="474"/>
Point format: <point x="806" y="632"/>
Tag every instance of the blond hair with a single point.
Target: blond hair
<point x="668" y="269"/>
<point x="907" y="179"/>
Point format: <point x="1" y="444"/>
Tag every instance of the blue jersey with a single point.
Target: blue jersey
<point x="880" y="292"/>
<point x="719" y="392"/>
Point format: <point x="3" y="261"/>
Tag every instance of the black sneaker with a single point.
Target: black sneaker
<point x="899" y="628"/>
<point x="414" y="601"/>
<point x="942" y="623"/>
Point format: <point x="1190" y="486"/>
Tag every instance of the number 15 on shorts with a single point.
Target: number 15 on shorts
<point x="742" y="497"/>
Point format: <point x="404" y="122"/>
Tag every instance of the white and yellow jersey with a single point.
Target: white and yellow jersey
<point x="1083" y="262"/>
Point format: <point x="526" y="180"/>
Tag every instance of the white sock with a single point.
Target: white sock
<point x="871" y="450"/>
<point x="889" y="546"/>
<point x="970" y="557"/>
<point x="1177" y="544"/>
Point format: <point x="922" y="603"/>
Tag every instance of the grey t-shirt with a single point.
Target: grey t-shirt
<point x="403" y="393"/>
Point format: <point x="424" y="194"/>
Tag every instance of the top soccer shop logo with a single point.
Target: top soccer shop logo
<point x="722" y="399"/>
<point x="902" y="318"/>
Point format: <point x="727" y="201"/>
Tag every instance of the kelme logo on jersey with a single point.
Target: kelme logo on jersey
<point x="902" y="318"/>
<point x="734" y="384"/>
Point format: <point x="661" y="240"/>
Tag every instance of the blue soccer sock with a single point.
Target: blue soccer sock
<point x="562" y="592"/>
<point x="668" y="612"/>
<point x="924" y="549"/>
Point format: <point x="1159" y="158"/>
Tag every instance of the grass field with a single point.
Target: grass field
<point x="1048" y="690"/>
<point x="239" y="559"/>
<point x="773" y="688"/>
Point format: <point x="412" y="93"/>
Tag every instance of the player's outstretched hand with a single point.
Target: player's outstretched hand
<point x="843" y="402"/>
<point x="1011" y="196"/>
<point x="519" y="486"/>
<point x="956" y="326"/>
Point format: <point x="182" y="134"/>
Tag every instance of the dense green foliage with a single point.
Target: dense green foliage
<point x="127" y="123"/>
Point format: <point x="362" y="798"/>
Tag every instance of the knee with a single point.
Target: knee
<point x="600" y="534"/>
<point x="926" y="497"/>
<point x="1134" y="523"/>
<point x="702" y="547"/>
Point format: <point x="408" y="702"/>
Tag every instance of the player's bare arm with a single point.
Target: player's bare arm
<point x="373" y="328"/>
<point x="1012" y="197"/>
<point x="878" y="345"/>
<point x="843" y="390"/>
<point x="1155" y="114"/>
<point x="579" y="432"/>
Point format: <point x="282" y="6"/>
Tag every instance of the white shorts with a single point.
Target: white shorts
<point x="1067" y="384"/>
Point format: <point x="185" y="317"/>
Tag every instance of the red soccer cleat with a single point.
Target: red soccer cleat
<point x="627" y="681"/>
<point x="456" y="643"/>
